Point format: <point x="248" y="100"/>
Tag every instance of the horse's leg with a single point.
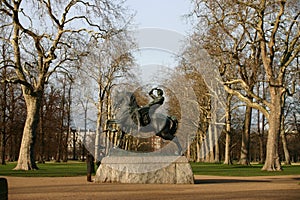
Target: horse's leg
<point x="167" y="130"/>
<point x="164" y="134"/>
<point x="173" y="125"/>
<point x="173" y="139"/>
<point x="176" y="141"/>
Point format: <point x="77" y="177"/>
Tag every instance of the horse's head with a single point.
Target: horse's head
<point x="124" y="104"/>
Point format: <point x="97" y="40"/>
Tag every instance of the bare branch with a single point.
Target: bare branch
<point x="247" y="100"/>
<point x="247" y="90"/>
<point x="48" y="5"/>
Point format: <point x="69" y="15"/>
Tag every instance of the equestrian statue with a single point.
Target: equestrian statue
<point x="142" y="119"/>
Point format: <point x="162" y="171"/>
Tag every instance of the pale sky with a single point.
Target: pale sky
<point x="168" y="16"/>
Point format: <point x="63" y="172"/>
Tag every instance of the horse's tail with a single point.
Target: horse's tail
<point x="174" y="125"/>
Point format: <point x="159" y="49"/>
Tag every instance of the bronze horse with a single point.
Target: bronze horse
<point x="133" y="118"/>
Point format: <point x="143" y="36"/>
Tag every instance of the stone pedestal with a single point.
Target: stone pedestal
<point x="145" y="169"/>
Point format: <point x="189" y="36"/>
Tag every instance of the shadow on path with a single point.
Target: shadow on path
<point x="220" y="181"/>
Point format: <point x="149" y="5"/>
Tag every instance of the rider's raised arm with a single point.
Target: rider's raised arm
<point x="151" y="93"/>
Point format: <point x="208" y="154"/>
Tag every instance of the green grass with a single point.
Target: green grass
<point x="239" y="170"/>
<point x="71" y="168"/>
<point x="50" y="169"/>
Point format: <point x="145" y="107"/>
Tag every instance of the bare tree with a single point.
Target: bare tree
<point x="15" y="120"/>
<point x="49" y="131"/>
<point x="68" y="118"/>
<point x="211" y="96"/>
<point x="65" y="117"/>
<point x="4" y="105"/>
<point x="108" y="63"/>
<point x="290" y="124"/>
<point x="240" y="31"/>
<point x="6" y="53"/>
<point x="48" y="36"/>
<point x="200" y="89"/>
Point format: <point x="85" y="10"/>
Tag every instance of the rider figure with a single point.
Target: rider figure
<point x="157" y="101"/>
<point x="146" y="112"/>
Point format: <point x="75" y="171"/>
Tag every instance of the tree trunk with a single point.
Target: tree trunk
<point x="66" y="153"/>
<point x="203" y="150"/>
<point x="13" y="140"/>
<point x="59" y="142"/>
<point x="84" y="135"/>
<point x="3" y="144"/>
<point x="74" y="143"/>
<point x="287" y="159"/>
<point x="228" y="132"/>
<point x="3" y="109"/>
<point x="227" y="149"/>
<point x="3" y="128"/>
<point x="262" y="142"/>
<point x="42" y="136"/>
<point x="97" y="139"/>
<point x="211" y="143"/>
<point x="188" y="151"/>
<point x="244" y="159"/>
<point x="217" y="149"/>
<point x="261" y="149"/>
<point x="198" y="149"/>
<point x="206" y="146"/>
<point x="261" y="128"/>
<point x="98" y="133"/>
<point x="272" y="162"/>
<point x="26" y="160"/>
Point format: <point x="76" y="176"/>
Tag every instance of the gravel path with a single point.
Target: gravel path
<point x="205" y="187"/>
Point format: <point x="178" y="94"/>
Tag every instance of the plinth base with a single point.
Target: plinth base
<point x="145" y="169"/>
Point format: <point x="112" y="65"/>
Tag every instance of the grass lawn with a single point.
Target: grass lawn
<point x="72" y="168"/>
<point x="239" y="170"/>
<point x="49" y="169"/>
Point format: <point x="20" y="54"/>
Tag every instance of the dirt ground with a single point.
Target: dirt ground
<point x="205" y="187"/>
